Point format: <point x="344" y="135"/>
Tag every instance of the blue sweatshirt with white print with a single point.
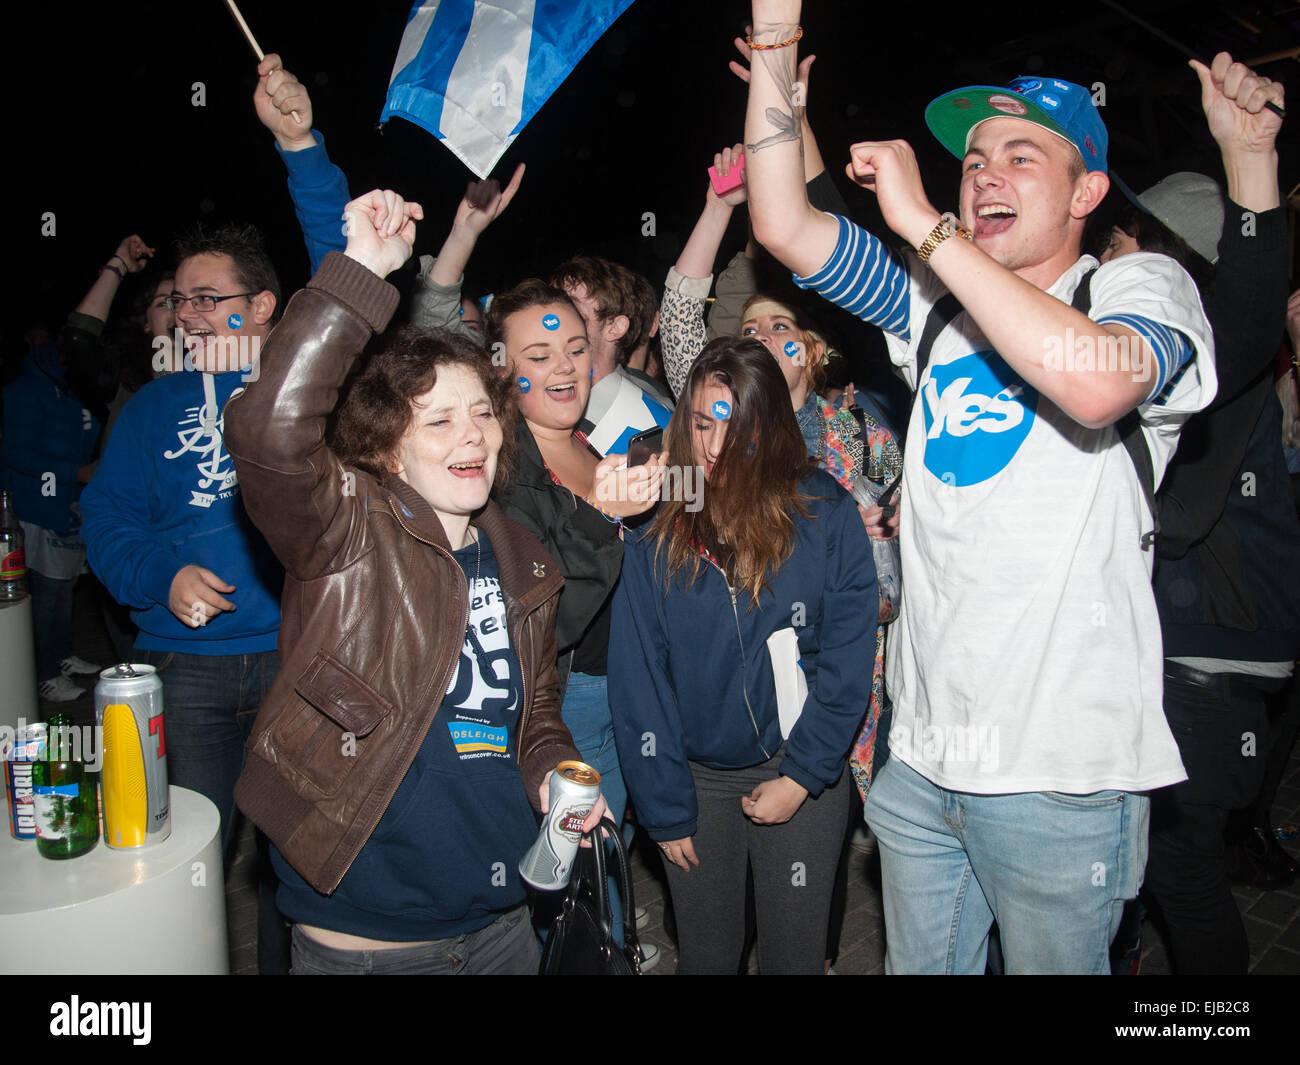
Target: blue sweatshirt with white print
<point x="165" y="496"/>
<point x="690" y="671"/>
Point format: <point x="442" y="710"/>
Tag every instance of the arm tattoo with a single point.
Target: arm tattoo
<point x="788" y="123"/>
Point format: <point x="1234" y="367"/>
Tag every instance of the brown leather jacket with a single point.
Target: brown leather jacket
<point x="374" y="605"/>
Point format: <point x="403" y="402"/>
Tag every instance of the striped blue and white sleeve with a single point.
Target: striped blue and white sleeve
<point x="1173" y="350"/>
<point x="866" y="277"/>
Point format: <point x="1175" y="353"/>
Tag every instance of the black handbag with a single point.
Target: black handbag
<point x="582" y="942"/>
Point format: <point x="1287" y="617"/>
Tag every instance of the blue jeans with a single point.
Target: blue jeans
<point x="588" y="718"/>
<point x="52" y="602"/>
<point x="209" y="705"/>
<point x="1053" y="870"/>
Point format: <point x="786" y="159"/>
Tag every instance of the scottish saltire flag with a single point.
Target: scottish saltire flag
<point x="473" y="72"/>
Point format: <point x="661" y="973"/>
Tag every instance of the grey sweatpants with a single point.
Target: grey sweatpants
<point x="794" y="868"/>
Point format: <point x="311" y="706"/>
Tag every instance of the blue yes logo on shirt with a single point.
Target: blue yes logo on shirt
<point x="471" y="738"/>
<point x="977" y="414"/>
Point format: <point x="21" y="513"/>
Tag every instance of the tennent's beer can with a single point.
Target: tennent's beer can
<point x="549" y="861"/>
<point x="129" y="710"/>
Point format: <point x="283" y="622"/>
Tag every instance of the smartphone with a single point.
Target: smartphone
<point x="733" y="180"/>
<point x="643" y="445"/>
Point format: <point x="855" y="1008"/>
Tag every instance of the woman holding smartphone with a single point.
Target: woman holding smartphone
<point x="734" y="748"/>
<point x="572" y="500"/>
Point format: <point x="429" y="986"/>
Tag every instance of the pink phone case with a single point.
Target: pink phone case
<point x="734" y="179"/>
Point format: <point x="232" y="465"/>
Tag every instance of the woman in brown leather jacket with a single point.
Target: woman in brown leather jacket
<point x="398" y="760"/>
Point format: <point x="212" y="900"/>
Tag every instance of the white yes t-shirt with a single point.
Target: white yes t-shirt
<point x="1027" y="656"/>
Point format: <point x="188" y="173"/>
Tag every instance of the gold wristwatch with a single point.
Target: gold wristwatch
<point x="947" y="226"/>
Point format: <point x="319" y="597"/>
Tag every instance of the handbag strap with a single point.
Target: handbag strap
<point x="599" y="886"/>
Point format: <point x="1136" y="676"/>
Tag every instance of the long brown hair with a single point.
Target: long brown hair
<point x="747" y="520"/>
<point x="377" y="411"/>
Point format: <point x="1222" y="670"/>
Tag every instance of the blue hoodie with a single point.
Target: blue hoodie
<point x="690" y="674"/>
<point x="48" y="436"/>
<point x="165" y="496"/>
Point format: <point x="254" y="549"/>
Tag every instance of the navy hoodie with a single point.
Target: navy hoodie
<point x="690" y="675"/>
<point x="166" y="496"/>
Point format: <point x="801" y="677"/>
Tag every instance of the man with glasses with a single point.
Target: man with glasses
<point x="166" y="531"/>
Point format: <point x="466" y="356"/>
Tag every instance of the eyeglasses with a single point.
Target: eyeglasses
<point x="202" y="303"/>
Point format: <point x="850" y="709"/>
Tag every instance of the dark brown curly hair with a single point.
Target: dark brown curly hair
<point x="377" y="412"/>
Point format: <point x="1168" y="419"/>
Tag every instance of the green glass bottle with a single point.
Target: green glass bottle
<point x="64" y="794"/>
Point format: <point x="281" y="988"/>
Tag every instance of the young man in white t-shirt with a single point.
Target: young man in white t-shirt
<point x="1025" y="668"/>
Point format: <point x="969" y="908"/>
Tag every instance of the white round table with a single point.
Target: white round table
<point x="157" y="909"/>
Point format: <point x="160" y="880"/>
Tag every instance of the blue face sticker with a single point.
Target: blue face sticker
<point x="524" y="384"/>
<point x="977" y="414"/>
<point x="551" y="321"/>
<point x="791" y="348"/>
<point x="752" y="450"/>
<point x="234" y="321"/>
<point x="461" y="310"/>
<point x="722" y="410"/>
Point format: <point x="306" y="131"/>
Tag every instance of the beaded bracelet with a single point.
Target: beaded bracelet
<point x="798" y="33"/>
<point x="611" y="518"/>
<point x="110" y="266"/>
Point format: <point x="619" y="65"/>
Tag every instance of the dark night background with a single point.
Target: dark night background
<point x="102" y="132"/>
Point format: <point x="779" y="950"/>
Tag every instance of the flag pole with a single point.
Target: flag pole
<point x="252" y="41"/>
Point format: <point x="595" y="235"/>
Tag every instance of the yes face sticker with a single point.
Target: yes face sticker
<point x="791" y="348"/>
<point x="551" y="321"/>
<point x="722" y="410"/>
<point x="234" y="321"/>
<point x="524" y="384"/>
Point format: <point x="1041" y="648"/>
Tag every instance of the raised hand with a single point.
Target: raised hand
<point x="723" y="162"/>
<point x="741" y="70"/>
<point x="1233" y="97"/>
<point x="133" y="253"/>
<point x="484" y="201"/>
<point x="277" y="96"/>
<point x="889" y="169"/>
<point x="381" y="230"/>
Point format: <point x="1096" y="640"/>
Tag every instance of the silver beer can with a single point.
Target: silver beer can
<point x="133" y="778"/>
<point x="575" y="787"/>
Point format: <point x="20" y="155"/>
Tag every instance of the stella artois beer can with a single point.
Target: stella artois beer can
<point x="129" y="710"/>
<point x="548" y="863"/>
